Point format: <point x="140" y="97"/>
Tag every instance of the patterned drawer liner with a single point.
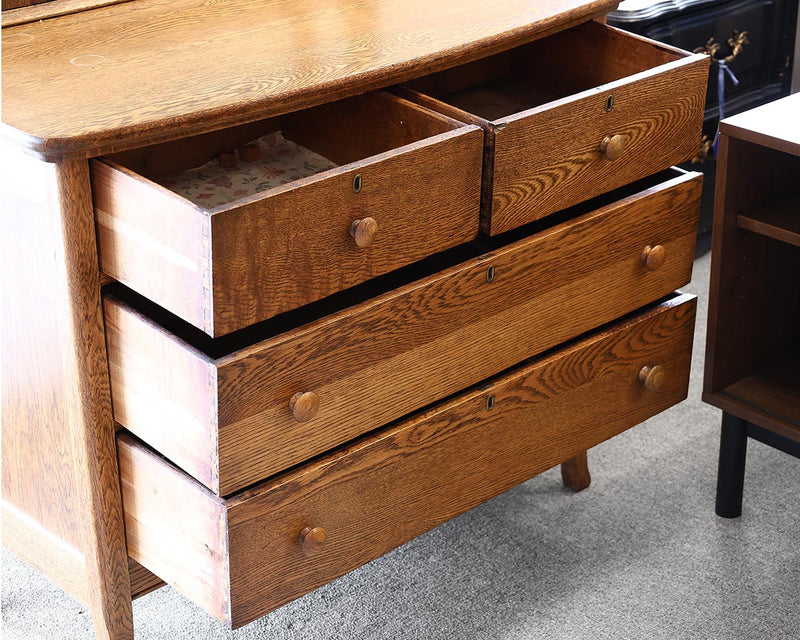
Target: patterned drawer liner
<point x="281" y="161"/>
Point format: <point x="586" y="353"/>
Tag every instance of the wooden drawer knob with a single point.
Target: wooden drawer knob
<point x="613" y="146"/>
<point x="363" y="231"/>
<point x="652" y="377"/>
<point x="312" y="539"/>
<point x="250" y="152"/>
<point x="227" y="159"/>
<point x="653" y="257"/>
<point x="304" y="405"/>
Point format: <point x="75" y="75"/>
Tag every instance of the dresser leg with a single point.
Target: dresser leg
<point x="730" y="475"/>
<point x="575" y="472"/>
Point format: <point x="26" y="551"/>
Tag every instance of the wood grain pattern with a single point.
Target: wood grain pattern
<point x="199" y="77"/>
<point x="190" y="553"/>
<point x="588" y="271"/>
<point x="59" y="458"/>
<point x="142" y="581"/>
<point x="549" y="156"/>
<point x="388" y="488"/>
<point x="46" y="552"/>
<point x="239" y="264"/>
<point x="17" y="12"/>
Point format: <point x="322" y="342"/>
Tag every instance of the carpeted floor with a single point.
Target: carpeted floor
<point x="640" y="554"/>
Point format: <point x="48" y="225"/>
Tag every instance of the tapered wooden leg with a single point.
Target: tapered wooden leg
<point x="575" y="472"/>
<point x="732" y="458"/>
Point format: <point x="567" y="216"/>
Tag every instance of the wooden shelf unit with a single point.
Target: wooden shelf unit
<point x="753" y="347"/>
<point x="779" y="219"/>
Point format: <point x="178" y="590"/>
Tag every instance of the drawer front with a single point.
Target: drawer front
<point x="242" y="557"/>
<point x="643" y="113"/>
<point x="230" y="422"/>
<point x="229" y="267"/>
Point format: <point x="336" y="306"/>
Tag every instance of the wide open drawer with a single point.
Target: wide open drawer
<point x="343" y="193"/>
<point x="242" y="557"/>
<point x="572" y="116"/>
<point x="232" y="419"/>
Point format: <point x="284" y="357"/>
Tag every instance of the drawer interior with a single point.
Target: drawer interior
<point x="289" y="148"/>
<point x="543" y="71"/>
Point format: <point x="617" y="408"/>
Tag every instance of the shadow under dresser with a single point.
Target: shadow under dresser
<point x="279" y="318"/>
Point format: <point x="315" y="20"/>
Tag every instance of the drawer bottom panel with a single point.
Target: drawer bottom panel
<point x="241" y="557"/>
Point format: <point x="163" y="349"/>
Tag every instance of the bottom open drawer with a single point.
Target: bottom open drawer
<point x="241" y="557"/>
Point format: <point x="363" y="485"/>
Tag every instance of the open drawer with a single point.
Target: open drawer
<point x="336" y="195"/>
<point x="242" y="557"/>
<point x="232" y="413"/>
<point x="571" y="116"/>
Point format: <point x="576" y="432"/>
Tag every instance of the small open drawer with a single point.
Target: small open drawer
<point x="571" y="116"/>
<point x="369" y="184"/>
<point x="241" y="557"/>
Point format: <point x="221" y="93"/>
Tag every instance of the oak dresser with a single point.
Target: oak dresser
<point x="287" y="284"/>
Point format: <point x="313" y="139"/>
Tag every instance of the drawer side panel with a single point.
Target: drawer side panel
<point x="153" y="241"/>
<point x="174" y="528"/>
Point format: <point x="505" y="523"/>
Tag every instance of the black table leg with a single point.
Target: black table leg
<point x="732" y="456"/>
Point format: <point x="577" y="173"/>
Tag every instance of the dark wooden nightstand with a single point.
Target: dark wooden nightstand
<point x="753" y="351"/>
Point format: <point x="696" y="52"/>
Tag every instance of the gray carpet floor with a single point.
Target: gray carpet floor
<point x="640" y="554"/>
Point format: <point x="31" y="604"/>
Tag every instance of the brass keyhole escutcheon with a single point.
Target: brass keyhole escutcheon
<point x="357" y="183"/>
<point x="609" y="103"/>
<point x="490" y="274"/>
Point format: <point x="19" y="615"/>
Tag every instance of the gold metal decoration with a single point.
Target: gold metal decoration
<point x="736" y="43"/>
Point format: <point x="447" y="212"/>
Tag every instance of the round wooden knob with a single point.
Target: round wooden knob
<point x="613" y="146"/>
<point x="363" y="231"/>
<point x="312" y="539"/>
<point x="304" y="405"/>
<point x="250" y="152"/>
<point x="652" y="377"/>
<point x="653" y="257"/>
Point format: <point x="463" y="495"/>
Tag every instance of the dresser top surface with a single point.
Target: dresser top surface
<point x="149" y="70"/>
<point x="775" y="125"/>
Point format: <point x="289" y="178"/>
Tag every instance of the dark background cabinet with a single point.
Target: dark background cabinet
<point x="763" y="68"/>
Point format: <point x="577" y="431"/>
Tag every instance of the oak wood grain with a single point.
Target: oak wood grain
<point x="547" y="153"/>
<point x="242" y="263"/>
<point x="588" y="271"/>
<point x="390" y="487"/>
<point x="59" y="457"/>
<point x="200" y="77"/>
<point x="190" y="553"/>
<point x="16" y="12"/>
<point x="142" y="581"/>
<point x="46" y="552"/>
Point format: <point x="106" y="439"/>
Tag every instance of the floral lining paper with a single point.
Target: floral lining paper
<point x="281" y="161"/>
